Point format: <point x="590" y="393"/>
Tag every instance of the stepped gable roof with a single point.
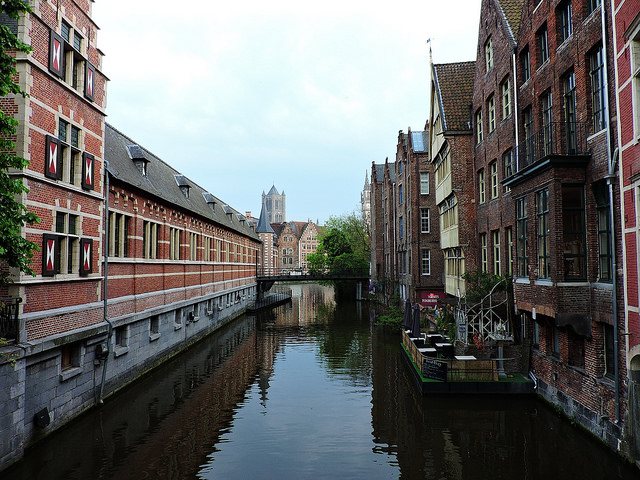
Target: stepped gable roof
<point x="263" y="225"/>
<point x="298" y="228"/>
<point x="512" y="12"/>
<point x="454" y="87"/>
<point x="278" y="228"/>
<point x="164" y="183"/>
<point x="379" y="171"/>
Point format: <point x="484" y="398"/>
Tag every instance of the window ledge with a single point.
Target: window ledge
<point x="544" y="282"/>
<point x="68" y="373"/>
<point x="153" y="337"/>
<point x="177" y="326"/>
<point x="523" y="280"/>
<point x="119" y="351"/>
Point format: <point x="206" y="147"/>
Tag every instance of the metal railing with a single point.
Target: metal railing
<point x="557" y="138"/>
<point x="9" y="309"/>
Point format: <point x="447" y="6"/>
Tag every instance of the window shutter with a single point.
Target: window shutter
<point x="56" y="54"/>
<point x="50" y="245"/>
<point x="88" y="171"/>
<point x="89" y="81"/>
<point x="86" y="259"/>
<point x="52" y="158"/>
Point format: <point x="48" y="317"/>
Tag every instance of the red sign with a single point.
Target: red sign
<point x="431" y="298"/>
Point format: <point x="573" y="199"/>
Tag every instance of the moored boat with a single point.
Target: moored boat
<point x="437" y="370"/>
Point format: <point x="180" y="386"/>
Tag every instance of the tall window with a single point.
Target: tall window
<point x="401" y="227"/>
<point x="542" y="213"/>
<point x="479" y="135"/>
<point x="596" y="63"/>
<point x="68" y="254"/>
<point x="527" y="120"/>
<point x="506" y="97"/>
<point x="400" y="194"/>
<point x="547" y="123"/>
<point x="565" y="25"/>
<point x="525" y="64"/>
<point x="573" y="232"/>
<point x="542" y="36"/>
<point x="488" y="54"/>
<point x="118" y="235"/>
<point x="491" y="108"/>
<point x="207" y="249"/>
<point x="70" y="154"/>
<point x="424" y="183"/>
<point x="497" y="270"/>
<point x="601" y="194"/>
<point x="593" y="4"/>
<point x="508" y="233"/>
<point x="425" y="221"/>
<point x="149" y="240"/>
<point x="508" y="162"/>
<point x="483" y="252"/>
<point x="481" y="186"/>
<point x="576" y="349"/>
<point x="493" y="170"/>
<point x="174" y="244"/>
<point x="425" y="264"/>
<point x="521" y="232"/>
<point x="193" y="246"/>
<point x="569" y="83"/>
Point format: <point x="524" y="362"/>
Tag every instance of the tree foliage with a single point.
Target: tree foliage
<point x="343" y="248"/>
<point x="15" y="250"/>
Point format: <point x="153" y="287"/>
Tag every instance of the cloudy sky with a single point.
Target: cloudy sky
<point x="240" y="96"/>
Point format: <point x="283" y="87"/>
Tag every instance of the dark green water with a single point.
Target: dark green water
<point x="311" y="391"/>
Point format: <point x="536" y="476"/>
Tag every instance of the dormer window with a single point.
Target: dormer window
<point x="139" y="158"/>
<point x="210" y="199"/>
<point x="182" y="182"/>
<point x="228" y="211"/>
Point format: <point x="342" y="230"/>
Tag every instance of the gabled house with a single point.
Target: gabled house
<point x="451" y="153"/>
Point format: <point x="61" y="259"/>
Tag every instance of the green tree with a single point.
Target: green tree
<point x="343" y="248"/>
<point x="15" y="250"/>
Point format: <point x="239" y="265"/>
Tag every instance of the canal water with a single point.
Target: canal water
<point x="311" y="390"/>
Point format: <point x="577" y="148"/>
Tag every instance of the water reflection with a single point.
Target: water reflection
<point x="311" y="390"/>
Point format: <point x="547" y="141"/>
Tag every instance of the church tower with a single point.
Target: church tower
<point x="275" y="205"/>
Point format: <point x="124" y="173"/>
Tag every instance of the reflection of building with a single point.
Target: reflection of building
<point x="275" y="205"/>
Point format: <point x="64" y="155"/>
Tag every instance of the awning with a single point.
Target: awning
<point x="579" y="322"/>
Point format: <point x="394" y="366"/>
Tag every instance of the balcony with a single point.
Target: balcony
<point x="558" y="139"/>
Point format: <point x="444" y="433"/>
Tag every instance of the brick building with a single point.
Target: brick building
<point x="494" y="150"/>
<point x="451" y="153"/>
<point x="295" y="241"/>
<point x="564" y="280"/>
<point x="417" y="241"/>
<point x="178" y="261"/>
<point x="626" y="52"/>
<point x="376" y="227"/>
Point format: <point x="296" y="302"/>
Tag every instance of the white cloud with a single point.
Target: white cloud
<point x="240" y="95"/>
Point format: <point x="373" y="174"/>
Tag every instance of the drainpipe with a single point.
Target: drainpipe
<point x="515" y="106"/>
<point x="613" y="160"/>
<point x="105" y="292"/>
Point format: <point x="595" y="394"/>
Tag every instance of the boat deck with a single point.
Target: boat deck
<point x="437" y="370"/>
